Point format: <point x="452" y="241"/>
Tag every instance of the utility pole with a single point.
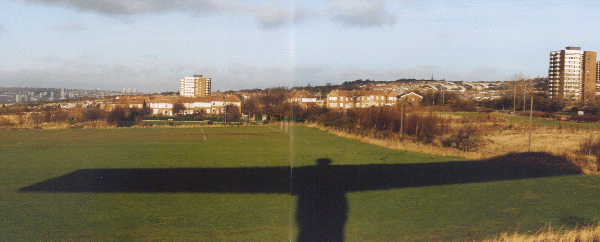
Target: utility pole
<point x="524" y="91"/>
<point x="515" y="98"/>
<point x="401" y="119"/>
<point x="443" y="102"/>
<point x="530" y="123"/>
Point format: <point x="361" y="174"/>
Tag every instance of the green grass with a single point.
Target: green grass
<point x="547" y="122"/>
<point x="439" y="213"/>
<point x="464" y="114"/>
<point x="522" y="119"/>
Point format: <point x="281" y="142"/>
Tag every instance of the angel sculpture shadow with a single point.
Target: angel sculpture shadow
<point x="322" y="208"/>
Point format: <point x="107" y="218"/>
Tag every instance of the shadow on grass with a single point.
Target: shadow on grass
<point x="321" y="189"/>
<point x="574" y="221"/>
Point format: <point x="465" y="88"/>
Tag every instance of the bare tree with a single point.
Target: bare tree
<point x="271" y="104"/>
<point x="233" y="112"/>
<point x="178" y="108"/>
<point x="250" y="107"/>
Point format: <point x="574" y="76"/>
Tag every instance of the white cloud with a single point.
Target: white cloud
<point x="70" y="26"/>
<point x="112" y="7"/>
<point x="361" y="13"/>
<point x="271" y="16"/>
<point x="268" y="16"/>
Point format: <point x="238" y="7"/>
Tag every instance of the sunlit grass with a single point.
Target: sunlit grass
<point x="440" y="213"/>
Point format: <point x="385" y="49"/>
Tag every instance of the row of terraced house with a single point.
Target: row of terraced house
<point x="339" y="99"/>
<point x="163" y="105"/>
<point x="215" y="104"/>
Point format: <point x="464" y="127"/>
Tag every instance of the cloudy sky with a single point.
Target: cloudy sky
<point x="151" y="44"/>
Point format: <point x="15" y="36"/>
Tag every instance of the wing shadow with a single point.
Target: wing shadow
<point x="321" y="189"/>
<point x="295" y="180"/>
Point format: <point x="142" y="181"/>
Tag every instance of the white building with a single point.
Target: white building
<point x="572" y="74"/>
<point x="208" y="105"/>
<point x="196" y="86"/>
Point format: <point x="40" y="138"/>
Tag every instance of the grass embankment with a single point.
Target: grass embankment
<point x="501" y="135"/>
<point x="586" y="234"/>
<point x="450" y="212"/>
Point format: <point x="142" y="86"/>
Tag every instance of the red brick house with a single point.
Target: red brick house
<point x="338" y="99"/>
<point x="411" y="99"/>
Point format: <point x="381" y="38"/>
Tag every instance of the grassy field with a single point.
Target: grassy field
<point x="448" y="212"/>
<point x="543" y="122"/>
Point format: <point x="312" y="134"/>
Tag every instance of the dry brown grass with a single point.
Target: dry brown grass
<point x="586" y="234"/>
<point x="553" y="141"/>
<point x="499" y="138"/>
<point x="6" y="121"/>
<point x="12" y="121"/>
<point x="405" y="143"/>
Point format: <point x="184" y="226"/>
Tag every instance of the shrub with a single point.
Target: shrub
<point x="425" y="127"/>
<point x="35" y="118"/>
<point x="93" y="114"/>
<point x="5" y="122"/>
<point x="333" y="119"/>
<point x="591" y="146"/>
<point x="116" y="115"/>
<point x="465" y="138"/>
<point x="134" y="114"/>
<point x="56" y="115"/>
<point x="70" y="121"/>
<point x="388" y="120"/>
<point x="312" y="113"/>
<point x="488" y="118"/>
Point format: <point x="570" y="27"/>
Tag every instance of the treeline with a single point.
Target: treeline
<point x="74" y="116"/>
<point x="275" y="106"/>
<point x="453" y="102"/>
<point x="388" y="120"/>
<point x="395" y="123"/>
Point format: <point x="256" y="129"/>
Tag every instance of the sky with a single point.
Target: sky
<point x="243" y="44"/>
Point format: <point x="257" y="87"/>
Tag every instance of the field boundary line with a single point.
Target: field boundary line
<point x="110" y="144"/>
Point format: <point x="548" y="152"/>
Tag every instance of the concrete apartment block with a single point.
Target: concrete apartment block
<point x="195" y="86"/>
<point x="572" y="75"/>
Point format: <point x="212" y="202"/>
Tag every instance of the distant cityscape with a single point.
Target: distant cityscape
<point x="573" y="76"/>
<point x="11" y="95"/>
<point x="469" y="90"/>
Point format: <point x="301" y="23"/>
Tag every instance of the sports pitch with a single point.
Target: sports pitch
<point x="258" y="183"/>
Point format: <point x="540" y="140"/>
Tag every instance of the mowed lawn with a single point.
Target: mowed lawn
<point x="453" y="212"/>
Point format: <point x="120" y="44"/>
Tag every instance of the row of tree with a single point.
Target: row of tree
<point x="507" y="101"/>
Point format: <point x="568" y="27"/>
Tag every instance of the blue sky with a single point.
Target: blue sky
<point x="150" y="44"/>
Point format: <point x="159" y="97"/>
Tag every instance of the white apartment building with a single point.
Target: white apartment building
<point x="195" y="86"/>
<point x="572" y="74"/>
<point x="597" y="78"/>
